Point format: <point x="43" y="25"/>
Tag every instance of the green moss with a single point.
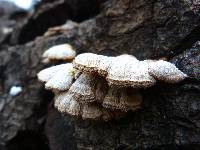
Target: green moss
<point x="71" y="72"/>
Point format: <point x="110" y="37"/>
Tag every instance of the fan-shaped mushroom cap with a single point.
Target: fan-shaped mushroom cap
<point x="84" y="88"/>
<point x="165" y="71"/>
<point x="60" y="52"/>
<point x="62" y="80"/>
<point x="124" y="70"/>
<point x="88" y="88"/>
<point x="124" y="99"/>
<point x="46" y="74"/>
<point x="128" y="71"/>
<point x="66" y="103"/>
<point x="89" y="62"/>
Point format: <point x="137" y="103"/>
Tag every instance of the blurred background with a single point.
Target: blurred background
<point x="23" y="4"/>
<point x="25" y="32"/>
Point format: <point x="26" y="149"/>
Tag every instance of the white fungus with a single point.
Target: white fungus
<point x="126" y="70"/>
<point x="46" y="74"/>
<point x="165" y="71"/>
<point x="102" y="87"/>
<point x="60" y="52"/>
<point x="62" y="79"/>
<point x="15" y="90"/>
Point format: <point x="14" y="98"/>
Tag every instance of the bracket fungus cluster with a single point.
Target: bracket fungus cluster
<point x="63" y="52"/>
<point x="101" y="87"/>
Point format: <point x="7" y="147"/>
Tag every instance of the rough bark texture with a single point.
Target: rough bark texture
<point x="170" y="115"/>
<point x="9" y="16"/>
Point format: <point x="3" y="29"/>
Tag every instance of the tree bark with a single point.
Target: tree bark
<point x="148" y="29"/>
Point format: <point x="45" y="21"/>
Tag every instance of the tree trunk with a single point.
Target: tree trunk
<point x="148" y="29"/>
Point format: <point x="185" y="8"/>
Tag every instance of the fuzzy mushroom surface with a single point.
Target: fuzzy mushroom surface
<point x="59" y="77"/>
<point x="66" y="103"/>
<point x="46" y="74"/>
<point x="89" y="88"/>
<point x="166" y="71"/>
<point x="63" y="52"/>
<point x="126" y="70"/>
<point x="102" y="88"/>
<point x="124" y="99"/>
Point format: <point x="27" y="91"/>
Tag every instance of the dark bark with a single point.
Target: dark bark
<point x="51" y="14"/>
<point x="170" y="114"/>
<point x="10" y="15"/>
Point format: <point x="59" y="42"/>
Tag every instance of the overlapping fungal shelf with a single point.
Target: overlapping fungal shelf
<point x="101" y="87"/>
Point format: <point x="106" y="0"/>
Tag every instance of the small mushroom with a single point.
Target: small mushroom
<point x="88" y="88"/>
<point x="89" y="62"/>
<point x="58" y="77"/>
<point x="124" y="99"/>
<point x="83" y="88"/>
<point x="59" y="52"/>
<point x="66" y="103"/>
<point x="62" y="80"/>
<point x="127" y="71"/>
<point x="166" y="71"/>
<point x="46" y="74"/>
